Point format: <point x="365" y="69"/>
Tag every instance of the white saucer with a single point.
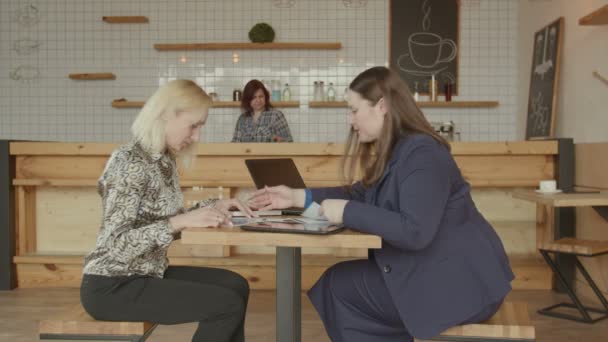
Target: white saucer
<point x="548" y="192"/>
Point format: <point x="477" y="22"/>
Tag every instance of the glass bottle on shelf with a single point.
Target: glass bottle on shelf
<point x="276" y="90"/>
<point x="315" y="94"/>
<point x="416" y="93"/>
<point x="286" y="93"/>
<point x="331" y="92"/>
<point x="321" y="91"/>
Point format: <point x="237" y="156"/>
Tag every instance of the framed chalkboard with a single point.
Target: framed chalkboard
<point x="542" y="99"/>
<point x="424" y="37"/>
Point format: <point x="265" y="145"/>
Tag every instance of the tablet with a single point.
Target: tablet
<point x="295" y="227"/>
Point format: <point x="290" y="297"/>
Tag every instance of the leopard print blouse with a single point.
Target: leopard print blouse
<point x="140" y="191"/>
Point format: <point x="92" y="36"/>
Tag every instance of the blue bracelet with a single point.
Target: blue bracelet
<point x="308" y="198"/>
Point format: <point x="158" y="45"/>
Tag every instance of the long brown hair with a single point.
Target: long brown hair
<point x="250" y="89"/>
<point x="403" y="118"/>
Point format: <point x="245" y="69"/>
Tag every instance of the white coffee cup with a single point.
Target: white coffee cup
<point x="549" y="185"/>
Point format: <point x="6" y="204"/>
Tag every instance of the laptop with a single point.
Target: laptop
<point x="272" y="172"/>
<point x="277" y="171"/>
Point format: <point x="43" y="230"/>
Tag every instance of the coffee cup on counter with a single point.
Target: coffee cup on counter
<point x="549" y="185"/>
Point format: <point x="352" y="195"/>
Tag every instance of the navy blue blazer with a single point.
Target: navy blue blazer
<point x="441" y="260"/>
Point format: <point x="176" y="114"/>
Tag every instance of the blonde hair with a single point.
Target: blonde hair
<point x="149" y="126"/>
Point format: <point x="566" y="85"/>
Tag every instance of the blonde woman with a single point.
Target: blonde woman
<point x="127" y="277"/>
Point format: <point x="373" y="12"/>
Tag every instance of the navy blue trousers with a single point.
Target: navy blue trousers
<point x="356" y="306"/>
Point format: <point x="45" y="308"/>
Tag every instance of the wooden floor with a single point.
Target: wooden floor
<point x="20" y="311"/>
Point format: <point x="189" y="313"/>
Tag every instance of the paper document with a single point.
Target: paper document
<point x="259" y="212"/>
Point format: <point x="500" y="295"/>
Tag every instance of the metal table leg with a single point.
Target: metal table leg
<point x="289" y="285"/>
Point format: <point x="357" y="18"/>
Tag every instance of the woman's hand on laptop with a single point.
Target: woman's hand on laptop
<point x="233" y="203"/>
<point x="277" y="197"/>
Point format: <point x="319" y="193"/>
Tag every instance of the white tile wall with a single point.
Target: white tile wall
<point x="73" y="38"/>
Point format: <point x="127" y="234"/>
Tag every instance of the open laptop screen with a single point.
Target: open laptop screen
<point x="272" y="172"/>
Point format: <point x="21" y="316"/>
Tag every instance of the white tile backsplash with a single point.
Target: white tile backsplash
<point x="75" y="39"/>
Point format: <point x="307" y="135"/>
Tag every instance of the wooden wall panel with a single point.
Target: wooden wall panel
<point x="60" y="167"/>
<point x="591" y="167"/>
<point x="511" y="171"/>
<point x="513" y="220"/>
<point x="68" y="219"/>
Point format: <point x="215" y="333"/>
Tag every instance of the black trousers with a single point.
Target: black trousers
<point x="215" y="298"/>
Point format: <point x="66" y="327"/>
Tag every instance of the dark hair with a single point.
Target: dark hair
<point x="250" y="89"/>
<point x="403" y="118"/>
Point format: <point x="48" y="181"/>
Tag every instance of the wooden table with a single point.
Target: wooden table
<point x="545" y="220"/>
<point x="288" y="263"/>
<point x="567" y="249"/>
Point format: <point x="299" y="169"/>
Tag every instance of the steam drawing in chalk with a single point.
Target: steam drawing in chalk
<point x="25" y="73"/>
<point x="424" y="44"/>
<point x="26" y="46"/>
<point x="27" y="15"/>
<point x="354" y="3"/>
<point x="543" y="50"/>
<point x="538" y="117"/>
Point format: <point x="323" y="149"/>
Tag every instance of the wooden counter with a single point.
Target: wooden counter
<point x="58" y="210"/>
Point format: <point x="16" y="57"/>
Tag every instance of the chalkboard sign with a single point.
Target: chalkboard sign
<point x="542" y="99"/>
<point x="424" y="42"/>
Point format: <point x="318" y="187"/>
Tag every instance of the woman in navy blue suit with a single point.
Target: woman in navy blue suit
<point x="441" y="263"/>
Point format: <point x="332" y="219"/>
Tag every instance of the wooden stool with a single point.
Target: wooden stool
<point x="584" y="248"/>
<point x="76" y="324"/>
<point x="510" y="323"/>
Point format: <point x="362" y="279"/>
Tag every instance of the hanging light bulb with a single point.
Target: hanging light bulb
<point x="283" y="3"/>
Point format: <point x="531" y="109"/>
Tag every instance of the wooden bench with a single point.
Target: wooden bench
<point x="76" y="324"/>
<point x="577" y="248"/>
<point x="510" y="323"/>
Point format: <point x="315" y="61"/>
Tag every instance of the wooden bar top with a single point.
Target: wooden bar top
<point x="564" y="199"/>
<point x="235" y="236"/>
<point x="483" y="164"/>
<point x="286" y="149"/>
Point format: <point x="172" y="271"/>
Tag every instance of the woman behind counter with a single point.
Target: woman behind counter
<point x="260" y="122"/>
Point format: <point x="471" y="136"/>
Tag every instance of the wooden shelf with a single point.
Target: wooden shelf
<point x="217" y="104"/>
<point x="458" y="104"/>
<point x="93" y="76"/>
<point x="127" y="104"/>
<point x="421" y="104"/>
<point x="125" y="19"/>
<point x="598" y="17"/>
<point x="564" y="200"/>
<point x="248" y="46"/>
<point x="576" y="246"/>
<point x="327" y="104"/>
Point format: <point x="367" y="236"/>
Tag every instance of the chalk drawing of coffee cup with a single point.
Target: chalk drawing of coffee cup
<point x="426" y="49"/>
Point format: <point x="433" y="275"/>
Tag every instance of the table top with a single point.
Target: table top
<point x="564" y="199"/>
<point x="235" y="236"/>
